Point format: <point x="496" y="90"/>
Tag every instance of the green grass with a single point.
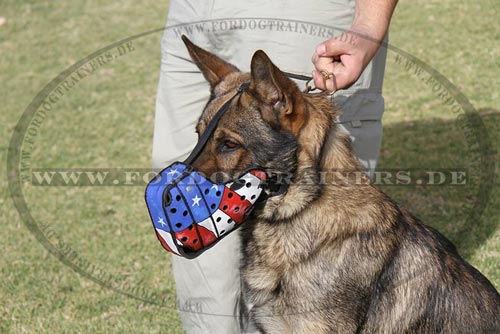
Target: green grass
<point x="107" y="121"/>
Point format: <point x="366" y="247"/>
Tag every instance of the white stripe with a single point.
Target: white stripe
<point x="168" y="239"/>
<point x="223" y="227"/>
<point x="207" y="223"/>
<point x="253" y="190"/>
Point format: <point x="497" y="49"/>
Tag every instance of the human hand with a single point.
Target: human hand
<point x="346" y="56"/>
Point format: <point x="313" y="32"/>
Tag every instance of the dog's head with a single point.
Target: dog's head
<point x="272" y="125"/>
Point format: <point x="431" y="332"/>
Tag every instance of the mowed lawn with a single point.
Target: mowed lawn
<point x="106" y="121"/>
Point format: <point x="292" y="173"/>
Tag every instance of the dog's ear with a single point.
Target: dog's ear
<point x="212" y="67"/>
<point x="280" y="96"/>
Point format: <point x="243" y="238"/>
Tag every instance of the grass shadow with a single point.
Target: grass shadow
<point x="436" y="144"/>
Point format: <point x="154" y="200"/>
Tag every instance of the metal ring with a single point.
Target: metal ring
<point x="309" y="88"/>
<point x="326" y="76"/>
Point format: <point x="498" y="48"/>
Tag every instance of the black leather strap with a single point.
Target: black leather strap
<point x="273" y="188"/>
<point x="213" y="125"/>
<point x="297" y="76"/>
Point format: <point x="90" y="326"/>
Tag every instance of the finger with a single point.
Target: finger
<point x="342" y="77"/>
<point x="314" y="57"/>
<point x="322" y="63"/>
<point x="318" y="80"/>
<point x="340" y="71"/>
<point x="330" y="80"/>
<point x="345" y="75"/>
<point x="324" y="80"/>
<point x="317" y="58"/>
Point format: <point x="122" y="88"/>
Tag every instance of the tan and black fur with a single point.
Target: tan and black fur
<point x="330" y="255"/>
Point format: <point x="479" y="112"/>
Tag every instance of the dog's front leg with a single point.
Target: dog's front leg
<point x="268" y="321"/>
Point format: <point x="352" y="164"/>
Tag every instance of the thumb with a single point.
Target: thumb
<point x="332" y="47"/>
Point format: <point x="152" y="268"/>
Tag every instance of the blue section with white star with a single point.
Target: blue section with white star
<point x="177" y="211"/>
<point x="198" y="199"/>
<point x="194" y="199"/>
<point x="189" y="212"/>
<point x="173" y="172"/>
<point x="154" y="198"/>
<point x="211" y="192"/>
<point x="154" y="194"/>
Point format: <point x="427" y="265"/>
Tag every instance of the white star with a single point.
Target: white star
<point x="173" y="172"/>
<point x="161" y="222"/>
<point x="215" y="187"/>
<point x="196" y="200"/>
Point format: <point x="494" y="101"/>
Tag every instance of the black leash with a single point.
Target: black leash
<point x="212" y="126"/>
<point x="297" y="76"/>
<point x="273" y="187"/>
<point x="326" y="76"/>
<point x="215" y="120"/>
<point x="305" y="78"/>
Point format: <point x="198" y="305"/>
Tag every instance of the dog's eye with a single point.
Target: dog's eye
<point x="230" y="145"/>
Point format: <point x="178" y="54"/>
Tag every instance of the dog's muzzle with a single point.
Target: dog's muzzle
<point x="189" y="212"/>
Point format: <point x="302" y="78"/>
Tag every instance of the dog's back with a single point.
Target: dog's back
<point x="426" y="287"/>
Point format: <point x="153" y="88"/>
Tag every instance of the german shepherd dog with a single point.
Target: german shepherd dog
<point x="328" y="255"/>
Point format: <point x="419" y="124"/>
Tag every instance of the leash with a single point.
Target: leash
<point x="297" y="76"/>
<point x="215" y="120"/>
<point x="199" y="212"/>
<point x="271" y="184"/>
<point x="326" y="76"/>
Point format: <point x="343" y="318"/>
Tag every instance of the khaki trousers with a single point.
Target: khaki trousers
<point x="208" y="287"/>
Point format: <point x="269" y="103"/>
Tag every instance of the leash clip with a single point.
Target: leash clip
<point x="326" y="76"/>
<point x="309" y="88"/>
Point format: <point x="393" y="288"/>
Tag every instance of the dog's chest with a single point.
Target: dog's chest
<point x="279" y="246"/>
<point x="276" y="266"/>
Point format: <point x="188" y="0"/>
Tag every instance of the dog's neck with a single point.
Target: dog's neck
<point x="324" y="156"/>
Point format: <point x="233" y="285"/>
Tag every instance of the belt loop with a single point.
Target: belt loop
<point x="356" y="124"/>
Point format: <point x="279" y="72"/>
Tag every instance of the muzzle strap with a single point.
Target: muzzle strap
<point x="213" y="125"/>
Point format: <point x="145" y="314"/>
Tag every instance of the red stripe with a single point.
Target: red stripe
<point x="233" y="206"/>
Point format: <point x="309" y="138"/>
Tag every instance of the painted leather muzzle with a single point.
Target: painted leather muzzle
<point x="190" y="213"/>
